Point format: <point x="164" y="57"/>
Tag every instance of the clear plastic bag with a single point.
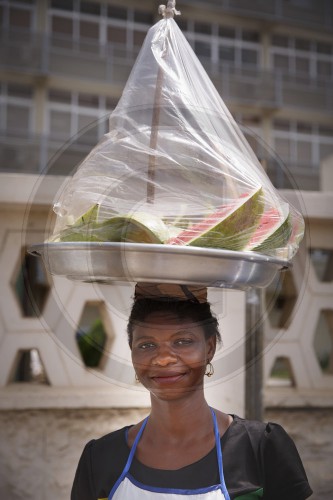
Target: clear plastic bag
<point x="175" y="167"/>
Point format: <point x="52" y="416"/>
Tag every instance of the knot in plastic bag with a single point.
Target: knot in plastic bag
<point x="169" y="10"/>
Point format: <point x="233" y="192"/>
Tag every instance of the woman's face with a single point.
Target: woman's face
<point x="170" y="355"/>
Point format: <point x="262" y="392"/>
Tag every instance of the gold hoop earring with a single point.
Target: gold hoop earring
<point x="210" y="369"/>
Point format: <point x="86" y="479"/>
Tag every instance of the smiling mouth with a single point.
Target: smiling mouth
<point x="168" y="378"/>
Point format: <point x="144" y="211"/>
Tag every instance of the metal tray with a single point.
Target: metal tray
<point x="135" y="262"/>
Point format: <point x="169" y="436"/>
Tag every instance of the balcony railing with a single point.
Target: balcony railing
<point x="33" y="154"/>
<point x="36" y="54"/>
<point x="43" y="154"/>
<point x="316" y="14"/>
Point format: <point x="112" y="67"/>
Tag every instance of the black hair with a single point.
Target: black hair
<point x="183" y="309"/>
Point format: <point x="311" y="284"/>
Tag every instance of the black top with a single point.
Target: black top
<point x="255" y="456"/>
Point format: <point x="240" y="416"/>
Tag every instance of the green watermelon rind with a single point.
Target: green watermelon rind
<point x="121" y="228"/>
<point x="130" y="229"/>
<point x="88" y="217"/>
<point x="277" y="239"/>
<point x="236" y="229"/>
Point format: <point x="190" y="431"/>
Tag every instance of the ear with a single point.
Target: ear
<point x="211" y="347"/>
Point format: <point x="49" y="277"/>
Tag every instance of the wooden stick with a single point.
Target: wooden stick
<point x="166" y="11"/>
<point x="154" y="136"/>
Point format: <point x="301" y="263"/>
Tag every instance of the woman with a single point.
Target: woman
<point x="185" y="449"/>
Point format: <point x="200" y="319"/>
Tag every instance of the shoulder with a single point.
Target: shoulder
<point x="101" y="462"/>
<point x="253" y="431"/>
<point x="269" y="440"/>
<point x="279" y="464"/>
<point x="111" y="449"/>
<point x="258" y="431"/>
<point x="107" y="444"/>
<point x="112" y="438"/>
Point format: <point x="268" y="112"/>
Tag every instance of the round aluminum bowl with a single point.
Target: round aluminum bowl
<point x="138" y="262"/>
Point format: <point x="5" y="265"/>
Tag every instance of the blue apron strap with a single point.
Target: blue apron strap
<point x="129" y="460"/>
<point x="219" y="456"/>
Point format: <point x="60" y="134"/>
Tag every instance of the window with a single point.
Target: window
<point x="78" y="20"/>
<point x="20" y="18"/>
<point x="80" y="115"/>
<point x="62" y="26"/>
<point x="60" y="124"/>
<point x="280" y="41"/>
<point x="182" y="23"/>
<point x="281" y="62"/>
<point x="227" y="54"/>
<point x="204" y="28"/>
<point x="304" y="128"/>
<point x="302" y="44"/>
<point x="249" y="56"/>
<point x="227" y="32"/>
<point x="143" y="17"/>
<point x="304" y="151"/>
<point x="16" y="109"/>
<point x="62" y="4"/>
<point x="117" y="12"/>
<point x="138" y="37"/>
<point x="88" y="100"/>
<point x="60" y="96"/>
<point x="324" y="48"/>
<point x="302" y="143"/>
<point x="17" y="15"/>
<point x="325" y="149"/>
<point x="300" y="56"/>
<point x="302" y="65"/>
<point x="282" y="147"/>
<point x="90" y="8"/>
<point x="20" y="91"/>
<point x="89" y="30"/>
<point x="325" y="69"/>
<point x="87" y="126"/>
<point x="116" y="35"/>
<point x="202" y="49"/>
<point x="250" y="36"/>
<point x="251" y="127"/>
<point x="95" y="24"/>
<point x="18" y="118"/>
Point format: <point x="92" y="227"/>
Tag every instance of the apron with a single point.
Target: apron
<point x="128" y="488"/>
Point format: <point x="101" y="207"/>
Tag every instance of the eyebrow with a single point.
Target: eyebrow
<point x="153" y="337"/>
<point x="144" y="337"/>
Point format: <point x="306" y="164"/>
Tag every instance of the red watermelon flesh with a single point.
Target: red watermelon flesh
<point x="230" y="227"/>
<point x="184" y="237"/>
<point x="273" y="232"/>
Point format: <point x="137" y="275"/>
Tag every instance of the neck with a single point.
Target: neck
<point x="174" y="416"/>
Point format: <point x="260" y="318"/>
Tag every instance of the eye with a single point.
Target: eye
<point x="184" y="341"/>
<point x="146" y="345"/>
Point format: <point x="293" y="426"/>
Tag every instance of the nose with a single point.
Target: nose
<point x="164" y="356"/>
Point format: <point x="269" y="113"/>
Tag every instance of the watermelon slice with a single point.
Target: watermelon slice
<point x="79" y="234"/>
<point x="80" y="230"/>
<point x="136" y="228"/>
<point x="273" y="232"/>
<point x="87" y="218"/>
<point x="229" y="228"/>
